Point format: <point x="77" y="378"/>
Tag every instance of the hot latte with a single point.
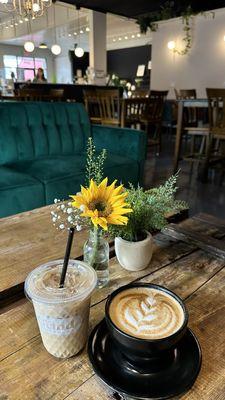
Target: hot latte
<point x="146" y="313"/>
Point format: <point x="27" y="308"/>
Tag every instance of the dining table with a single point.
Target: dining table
<point x="188" y="258"/>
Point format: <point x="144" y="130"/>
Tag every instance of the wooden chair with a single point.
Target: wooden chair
<point x="92" y="105"/>
<point x="140" y="93"/>
<point x="56" y="95"/>
<point x="187" y="94"/>
<point x="109" y="104"/>
<point x="28" y="94"/>
<point x="199" y="135"/>
<point x="155" y="94"/>
<point x="132" y="110"/>
<point x="215" y="154"/>
<point x="152" y="120"/>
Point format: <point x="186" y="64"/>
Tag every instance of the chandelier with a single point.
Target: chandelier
<point x="27" y="8"/>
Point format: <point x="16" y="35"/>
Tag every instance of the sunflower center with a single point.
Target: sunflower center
<point x="103" y="208"/>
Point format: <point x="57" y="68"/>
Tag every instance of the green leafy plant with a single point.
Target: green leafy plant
<point x="149" y="210"/>
<point x="168" y="11"/>
<point x="94" y="163"/>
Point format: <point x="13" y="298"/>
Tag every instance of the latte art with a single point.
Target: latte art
<point x="146" y="313"/>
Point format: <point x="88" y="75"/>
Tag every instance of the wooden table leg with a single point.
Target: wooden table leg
<point x="178" y="136"/>
<point x="203" y="173"/>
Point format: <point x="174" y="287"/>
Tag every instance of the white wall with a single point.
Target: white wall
<point x="203" y="66"/>
<point x="19" y="51"/>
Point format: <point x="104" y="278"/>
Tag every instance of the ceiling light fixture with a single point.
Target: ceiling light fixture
<point x="78" y="51"/>
<point x="43" y="46"/>
<point x="87" y="29"/>
<point x="29" y="46"/>
<point x="27" y="8"/>
<point x="138" y="35"/>
<point x="55" y="49"/>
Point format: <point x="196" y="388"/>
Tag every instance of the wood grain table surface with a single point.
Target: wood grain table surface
<point x="27" y="371"/>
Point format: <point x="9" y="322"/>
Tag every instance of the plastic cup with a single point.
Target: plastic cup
<point x="62" y="313"/>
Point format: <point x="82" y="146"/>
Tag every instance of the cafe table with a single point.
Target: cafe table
<point x="182" y="104"/>
<point x="189" y="258"/>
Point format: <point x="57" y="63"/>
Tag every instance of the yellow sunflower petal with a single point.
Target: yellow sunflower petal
<point x="103" y="204"/>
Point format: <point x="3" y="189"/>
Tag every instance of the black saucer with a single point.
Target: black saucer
<point x="114" y="369"/>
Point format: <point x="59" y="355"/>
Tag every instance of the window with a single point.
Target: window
<point x="23" y="68"/>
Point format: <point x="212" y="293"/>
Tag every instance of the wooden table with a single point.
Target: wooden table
<point x="27" y="371"/>
<point x="190" y="103"/>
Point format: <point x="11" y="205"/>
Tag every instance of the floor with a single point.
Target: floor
<point x="202" y="197"/>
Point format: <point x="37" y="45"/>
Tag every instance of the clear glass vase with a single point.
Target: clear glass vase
<point x="96" y="254"/>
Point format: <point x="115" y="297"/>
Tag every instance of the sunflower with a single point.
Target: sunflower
<point x="103" y="204"/>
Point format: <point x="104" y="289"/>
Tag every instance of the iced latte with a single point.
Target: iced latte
<point x="62" y="313"/>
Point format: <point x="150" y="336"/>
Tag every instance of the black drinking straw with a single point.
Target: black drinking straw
<point x="67" y="257"/>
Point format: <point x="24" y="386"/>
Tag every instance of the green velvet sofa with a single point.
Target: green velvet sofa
<point x="42" y="153"/>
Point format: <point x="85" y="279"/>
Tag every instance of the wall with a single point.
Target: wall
<point x="123" y="62"/>
<point x="203" y="66"/>
<point x="19" y="51"/>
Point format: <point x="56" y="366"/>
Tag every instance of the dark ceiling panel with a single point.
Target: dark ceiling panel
<point x="134" y="8"/>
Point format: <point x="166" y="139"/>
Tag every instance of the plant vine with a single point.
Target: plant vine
<point x="168" y="11"/>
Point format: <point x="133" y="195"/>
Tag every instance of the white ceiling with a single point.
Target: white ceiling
<point x="121" y="32"/>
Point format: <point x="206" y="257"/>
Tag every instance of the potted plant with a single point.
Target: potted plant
<point x="133" y="241"/>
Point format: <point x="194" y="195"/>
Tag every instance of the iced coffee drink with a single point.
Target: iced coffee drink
<point x="62" y="313"/>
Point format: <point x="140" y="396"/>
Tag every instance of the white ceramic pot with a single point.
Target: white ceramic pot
<point x="134" y="256"/>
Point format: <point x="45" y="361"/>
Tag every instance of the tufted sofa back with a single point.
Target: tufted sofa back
<point x="30" y="130"/>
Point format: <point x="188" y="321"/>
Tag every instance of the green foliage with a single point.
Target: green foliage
<point x="149" y="210"/>
<point x="167" y="11"/>
<point x="94" y="163"/>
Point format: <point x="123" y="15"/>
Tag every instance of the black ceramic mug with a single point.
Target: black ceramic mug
<point x="156" y="353"/>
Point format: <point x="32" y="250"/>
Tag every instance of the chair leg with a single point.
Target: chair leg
<point x="203" y="175"/>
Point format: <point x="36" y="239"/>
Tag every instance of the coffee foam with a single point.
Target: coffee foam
<point x="146" y="313"/>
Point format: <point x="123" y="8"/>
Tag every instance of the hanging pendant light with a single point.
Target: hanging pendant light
<point x="29" y="45"/>
<point x="78" y="51"/>
<point x="55" y="49"/>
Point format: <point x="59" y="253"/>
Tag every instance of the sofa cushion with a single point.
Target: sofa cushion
<point x="63" y="175"/>
<point x="30" y="130"/>
<point x="19" y="192"/>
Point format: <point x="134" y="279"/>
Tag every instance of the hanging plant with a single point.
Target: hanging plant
<point x="168" y="11"/>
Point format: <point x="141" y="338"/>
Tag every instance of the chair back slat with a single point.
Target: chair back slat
<point x="109" y="105"/>
<point x="92" y="105"/>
